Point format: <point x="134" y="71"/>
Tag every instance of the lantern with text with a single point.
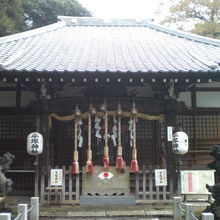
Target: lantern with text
<point x="180" y="142"/>
<point x="34" y="143"/>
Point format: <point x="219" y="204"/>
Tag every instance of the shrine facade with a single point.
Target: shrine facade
<point x="104" y="94"/>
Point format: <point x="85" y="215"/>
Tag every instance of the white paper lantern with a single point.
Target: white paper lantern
<point x="180" y="142"/>
<point x="34" y="143"/>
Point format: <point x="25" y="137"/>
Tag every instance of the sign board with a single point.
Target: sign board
<point x="169" y="133"/>
<point x="56" y="177"/>
<point x="160" y="177"/>
<point x="194" y="181"/>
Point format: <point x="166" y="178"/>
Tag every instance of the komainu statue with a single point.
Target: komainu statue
<point x="5" y="183"/>
<point x="214" y="207"/>
<point x="215" y="152"/>
<point x="215" y="190"/>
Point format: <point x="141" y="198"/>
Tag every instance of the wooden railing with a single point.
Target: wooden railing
<point x="69" y="193"/>
<point x="142" y="186"/>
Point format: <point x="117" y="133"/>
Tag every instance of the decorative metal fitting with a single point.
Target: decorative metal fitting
<point x="77" y="112"/>
<point x="92" y="110"/>
<point x="119" y="110"/>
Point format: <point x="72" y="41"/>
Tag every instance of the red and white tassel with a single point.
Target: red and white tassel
<point x="89" y="166"/>
<point x="134" y="163"/>
<point x="134" y="166"/>
<point x="119" y="160"/>
<point x="119" y="163"/>
<point x="106" y="162"/>
<point x="75" y="165"/>
<point x="106" y="158"/>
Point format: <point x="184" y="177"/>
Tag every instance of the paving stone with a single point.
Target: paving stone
<point x="159" y="212"/>
<point x="126" y="213"/>
<point x="75" y="218"/>
<point x="86" y="214"/>
<point x="53" y="214"/>
<point x="148" y="218"/>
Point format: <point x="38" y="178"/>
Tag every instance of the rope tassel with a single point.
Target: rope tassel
<point x="89" y="164"/>
<point x="75" y="165"/>
<point x="106" y="158"/>
<point x="134" y="163"/>
<point x="119" y="160"/>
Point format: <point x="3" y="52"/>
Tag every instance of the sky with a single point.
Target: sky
<point x="122" y="8"/>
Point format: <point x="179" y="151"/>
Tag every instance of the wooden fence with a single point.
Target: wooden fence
<point x="70" y="191"/>
<point x="142" y="186"/>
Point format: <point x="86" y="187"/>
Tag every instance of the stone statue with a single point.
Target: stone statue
<point x="215" y="190"/>
<point x="215" y="206"/>
<point x="5" y="183"/>
<point x="215" y="152"/>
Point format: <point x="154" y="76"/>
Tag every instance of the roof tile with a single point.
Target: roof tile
<point x="108" y="48"/>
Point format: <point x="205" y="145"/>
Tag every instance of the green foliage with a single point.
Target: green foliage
<point x="207" y="29"/>
<point x="11" y="17"/>
<point x="44" y="12"/>
<point x="20" y="15"/>
<point x="204" y="13"/>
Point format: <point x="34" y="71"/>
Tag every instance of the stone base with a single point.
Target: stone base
<point x="107" y="200"/>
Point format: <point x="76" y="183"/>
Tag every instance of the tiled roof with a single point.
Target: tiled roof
<point x="95" y="45"/>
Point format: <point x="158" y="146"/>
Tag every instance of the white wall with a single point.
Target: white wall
<point x="210" y="85"/>
<point x="208" y="99"/>
<point x="185" y="97"/>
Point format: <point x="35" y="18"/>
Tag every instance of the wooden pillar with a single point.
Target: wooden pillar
<point x="44" y="130"/>
<point x="171" y="157"/>
<point x="37" y="164"/>
<point x="157" y="142"/>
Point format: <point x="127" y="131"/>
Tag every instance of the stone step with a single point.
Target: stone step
<point x="109" y="214"/>
<point x="110" y="218"/>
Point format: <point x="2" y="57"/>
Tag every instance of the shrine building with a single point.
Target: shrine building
<point x="106" y="96"/>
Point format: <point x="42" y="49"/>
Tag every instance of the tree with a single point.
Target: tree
<point x="20" y="15"/>
<point x="11" y="17"/>
<point x="38" y="13"/>
<point x="205" y="14"/>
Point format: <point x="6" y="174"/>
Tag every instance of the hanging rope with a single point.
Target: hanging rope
<point x="134" y="163"/>
<point x="100" y="114"/>
<point x="89" y="164"/>
<point x="75" y="165"/>
<point x="119" y="160"/>
<point x="106" y="150"/>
